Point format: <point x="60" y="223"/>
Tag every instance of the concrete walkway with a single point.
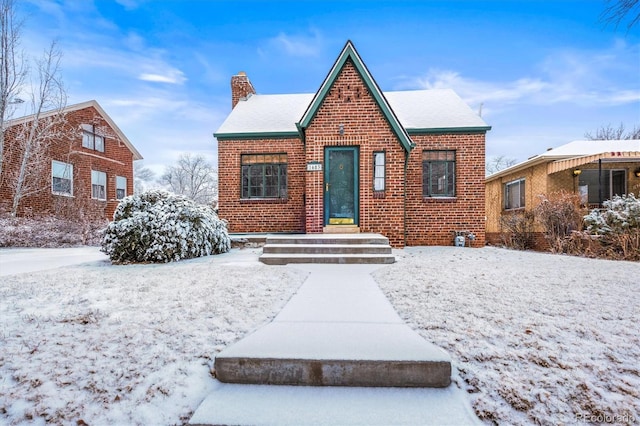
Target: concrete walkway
<point x="340" y="332"/>
<point x="23" y="260"/>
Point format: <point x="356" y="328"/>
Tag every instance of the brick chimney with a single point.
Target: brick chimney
<point x="241" y="87"/>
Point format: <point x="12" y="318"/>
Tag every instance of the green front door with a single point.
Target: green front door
<point x="341" y="186"/>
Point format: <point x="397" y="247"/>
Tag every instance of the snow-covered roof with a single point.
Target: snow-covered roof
<point x="416" y="110"/>
<point x="266" y="114"/>
<point x="579" y="152"/>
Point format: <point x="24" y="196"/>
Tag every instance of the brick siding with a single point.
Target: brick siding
<point x="348" y="103"/>
<point x="116" y="160"/>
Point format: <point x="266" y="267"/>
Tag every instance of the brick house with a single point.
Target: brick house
<point x="351" y="158"/>
<point x="87" y="163"/>
<point x="596" y="170"/>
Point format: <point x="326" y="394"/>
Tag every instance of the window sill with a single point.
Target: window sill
<point x="378" y="194"/>
<point x="514" y="210"/>
<point x="63" y="194"/>
<point x="439" y="199"/>
<point x="263" y="200"/>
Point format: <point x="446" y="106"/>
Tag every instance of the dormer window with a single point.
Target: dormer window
<point x="90" y="139"/>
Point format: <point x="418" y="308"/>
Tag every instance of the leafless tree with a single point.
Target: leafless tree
<point x="495" y="164"/>
<point x="193" y="177"/>
<point x="142" y="177"/>
<point x="617" y="10"/>
<point x="13" y="67"/>
<point x="36" y="133"/>
<point x="609" y="132"/>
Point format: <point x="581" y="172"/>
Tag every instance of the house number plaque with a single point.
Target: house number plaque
<point x="314" y="166"/>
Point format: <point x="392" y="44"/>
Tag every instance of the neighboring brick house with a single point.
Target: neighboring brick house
<point x="597" y="170"/>
<point x="87" y="163"/>
<point x="350" y="158"/>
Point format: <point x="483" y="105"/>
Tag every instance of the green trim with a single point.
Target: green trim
<point x="449" y="130"/>
<point x="349" y="52"/>
<point x="257" y="135"/>
<point x="356" y="182"/>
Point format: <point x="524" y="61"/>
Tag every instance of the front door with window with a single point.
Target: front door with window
<point x="341" y="186"/>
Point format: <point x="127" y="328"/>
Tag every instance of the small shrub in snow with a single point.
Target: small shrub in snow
<point x="157" y="226"/>
<point x="560" y="215"/>
<point x="617" y="226"/>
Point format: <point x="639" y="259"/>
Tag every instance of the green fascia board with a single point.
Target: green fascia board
<point x="449" y="130"/>
<point x="349" y="52"/>
<point x="257" y="135"/>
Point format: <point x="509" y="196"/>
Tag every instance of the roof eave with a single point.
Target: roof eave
<point x="475" y="129"/>
<point x="257" y="135"/>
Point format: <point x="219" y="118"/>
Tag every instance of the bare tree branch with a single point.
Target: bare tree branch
<point x="193" y="177"/>
<point x="13" y="67"/>
<point x="609" y="132"/>
<point x="617" y="10"/>
<point x="37" y="134"/>
<point x="495" y="164"/>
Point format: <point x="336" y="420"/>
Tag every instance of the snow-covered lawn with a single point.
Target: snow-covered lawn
<point x="122" y="345"/>
<point x="536" y="338"/>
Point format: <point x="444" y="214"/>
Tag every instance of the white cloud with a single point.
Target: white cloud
<point x="296" y="45"/>
<point x="171" y="76"/>
<point x="600" y="78"/>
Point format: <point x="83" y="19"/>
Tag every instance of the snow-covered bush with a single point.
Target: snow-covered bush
<point x="617" y="227"/>
<point x="157" y="226"/>
<point x="617" y="215"/>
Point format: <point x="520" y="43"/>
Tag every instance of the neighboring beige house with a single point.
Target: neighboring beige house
<point x="597" y="170"/>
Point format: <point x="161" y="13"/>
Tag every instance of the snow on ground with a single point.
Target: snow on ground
<point x="537" y="338"/>
<point x="130" y="344"/>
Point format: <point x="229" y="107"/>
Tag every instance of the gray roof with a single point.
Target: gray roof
<point x="416" y="110"/>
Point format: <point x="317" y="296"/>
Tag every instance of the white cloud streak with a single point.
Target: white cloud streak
<point x="607" y="78"/>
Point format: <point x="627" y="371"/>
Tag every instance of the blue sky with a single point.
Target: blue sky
<point x="545" y="72"/>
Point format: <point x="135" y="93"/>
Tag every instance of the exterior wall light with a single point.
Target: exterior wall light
<point x="637" y="172"/>
<point x="577" y="172"/>
<point x="341" y="129"/>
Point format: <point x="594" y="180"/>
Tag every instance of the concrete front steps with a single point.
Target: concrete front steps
<point x="327" y="248"/>
<point x="339" y="354"/>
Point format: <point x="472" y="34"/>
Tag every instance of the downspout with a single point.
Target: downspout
<point x="600" y="183"/>
<point x="404" y="201"/>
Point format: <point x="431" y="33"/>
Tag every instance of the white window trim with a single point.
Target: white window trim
<point x="67" y="167"/>
<point x="513" y="183"/>
<point x="104" y="191"/>
<point x="118" y="178"/>
<point x="383" y="167"/>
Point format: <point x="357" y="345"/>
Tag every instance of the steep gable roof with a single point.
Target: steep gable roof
<point x="77" y="107"/>
<point x="349" y="53"/>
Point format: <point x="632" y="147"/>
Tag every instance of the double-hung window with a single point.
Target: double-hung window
<point x="379" y="164"/>
<point x="61" y="178"/>
<point x="439" y="173"/>
<point x="98" y="185"/>
<point x="264" y="175"/>
<point x="90" y="139"/>
<point x="121" y="187"/>
<point x="514" y="195"/>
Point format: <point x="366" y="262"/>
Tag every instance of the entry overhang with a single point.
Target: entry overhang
<point x="569" y="163"/>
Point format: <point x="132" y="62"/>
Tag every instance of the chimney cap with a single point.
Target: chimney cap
<point x="241" y="73"/>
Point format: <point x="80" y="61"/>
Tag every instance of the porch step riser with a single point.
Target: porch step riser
<point x="327" y="249"/>
<point x="285" y="258"/>
<point x="327" y="241"/>
<point x="367" y="373"/>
